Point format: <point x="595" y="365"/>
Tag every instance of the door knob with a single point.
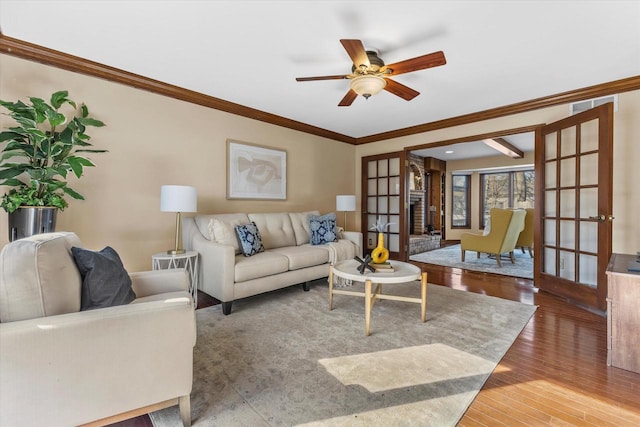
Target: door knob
<point x="611" y="217"/>
<point x="600" y="217"/>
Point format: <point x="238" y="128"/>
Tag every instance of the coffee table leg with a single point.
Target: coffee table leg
<point x="367" y="306"/>
<point x="423" y="297"/>
<point x="330" y="288"/>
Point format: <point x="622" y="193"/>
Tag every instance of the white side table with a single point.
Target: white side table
<point x="187" y="260"/>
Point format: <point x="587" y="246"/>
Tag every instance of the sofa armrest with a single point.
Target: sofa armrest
<point x="146" y="283"/>
<point x="217" y="269"/>
<point x="355" y="237"/>
<point x="89" y="365"/>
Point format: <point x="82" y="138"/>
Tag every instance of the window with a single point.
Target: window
<point x="505" y="190"/>
<point x="461" y="212"/>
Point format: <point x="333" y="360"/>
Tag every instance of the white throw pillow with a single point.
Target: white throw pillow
<point x="224" y="232"/>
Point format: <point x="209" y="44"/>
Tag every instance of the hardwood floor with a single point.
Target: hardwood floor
<point x="555" y="373"/>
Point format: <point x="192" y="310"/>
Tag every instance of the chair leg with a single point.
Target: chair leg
<point x="513" y="258"/>
<point x="184" y="403"/>
<point x="478" y="255"/>
<point x="498" y="259"/>
<point x="463" y="253"/>
<point x="530" y="252"/>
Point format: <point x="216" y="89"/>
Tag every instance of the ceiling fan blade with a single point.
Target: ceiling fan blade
<point x="310" y="79"/>
<point x="400" y="90"/>
<point x="356" y="52"/>
<point x="348" y="98"/>
<point x="434" y="59"/>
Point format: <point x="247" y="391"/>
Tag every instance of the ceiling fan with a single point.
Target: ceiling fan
<point x="369" y="74"/>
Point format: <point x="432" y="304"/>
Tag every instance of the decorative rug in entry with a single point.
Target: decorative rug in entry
<point x="284" y="359"/>
<point x="450" y="256"/>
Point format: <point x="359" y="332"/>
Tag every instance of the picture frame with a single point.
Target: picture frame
<point x="255" y="172"/>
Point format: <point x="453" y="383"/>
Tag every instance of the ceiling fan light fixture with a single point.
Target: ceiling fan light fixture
<point x="367" y="85"/>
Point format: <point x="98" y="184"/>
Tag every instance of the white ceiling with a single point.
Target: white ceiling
<point x="250" y="52"/>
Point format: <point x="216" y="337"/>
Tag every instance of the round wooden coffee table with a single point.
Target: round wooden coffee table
<point x="403" y="272"/>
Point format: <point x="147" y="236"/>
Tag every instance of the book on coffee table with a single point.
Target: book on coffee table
<point x="384" y="267"/>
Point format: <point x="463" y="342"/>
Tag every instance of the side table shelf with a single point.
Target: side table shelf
<point x="187" y="260"/>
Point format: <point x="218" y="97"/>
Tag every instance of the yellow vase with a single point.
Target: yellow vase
<point x="380" y="254"/>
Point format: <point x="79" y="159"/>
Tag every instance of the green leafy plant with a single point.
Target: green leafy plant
<point x="42" y="149"/>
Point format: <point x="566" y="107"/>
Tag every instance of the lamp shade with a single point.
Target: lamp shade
<point x="346" y="203"/>
<point x="367" y="85"/>
<point x="178" y="198"/>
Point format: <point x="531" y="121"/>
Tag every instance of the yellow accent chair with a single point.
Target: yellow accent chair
<point x="525" y="240"/>
<point x="506" y="225"/>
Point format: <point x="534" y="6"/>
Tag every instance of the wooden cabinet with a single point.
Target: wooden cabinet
<point x="623" y="313"/>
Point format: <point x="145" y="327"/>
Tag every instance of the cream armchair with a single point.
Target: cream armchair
<point x="525" y="239"/>
<point x="63" y="367"/>
<point x="506" y="225"/>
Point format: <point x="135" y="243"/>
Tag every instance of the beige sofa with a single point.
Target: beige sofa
<point x="289" y="259"/>
<point x="60" y="366"/>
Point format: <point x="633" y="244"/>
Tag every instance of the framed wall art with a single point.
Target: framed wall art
<point x="255" y="172"/>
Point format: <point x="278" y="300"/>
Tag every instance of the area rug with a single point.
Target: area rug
<point x="285" y="359"/>
<point x="449" y="256"/>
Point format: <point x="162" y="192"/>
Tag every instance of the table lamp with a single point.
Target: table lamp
<point x="345" y="203"/>
<point x="178" y="198"/>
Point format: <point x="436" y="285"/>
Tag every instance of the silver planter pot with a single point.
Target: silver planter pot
<point x="27" y="221"/>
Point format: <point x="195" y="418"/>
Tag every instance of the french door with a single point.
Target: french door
<point x="383" y="193"/>
<point x="574" y="206"/>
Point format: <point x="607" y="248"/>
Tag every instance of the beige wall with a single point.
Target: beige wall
<point x="155" y="140"/>
<point x="626" y="157"/>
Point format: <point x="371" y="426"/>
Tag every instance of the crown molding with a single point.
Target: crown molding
<point x="37" y="53"/>
<point x="54" y="58"/>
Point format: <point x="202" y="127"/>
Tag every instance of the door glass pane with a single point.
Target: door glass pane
<point x="372" y="170"/>
<point x="394" y="243"/>
<point x="372" y="187"/>
<point x="395" y="224"/>
<point x="550" y="144"/>
<point x="588" y="270"/>
<point x="383" y="184"/>
<point x="589" y="236"/>
<point x="568" y="172"/>
<point x="568" y="203"/>
<point x="589" y="136"/>
<point x="589" y="169"/>
<point x="371" y="221"/>
<point x="567" y="234"/>
<point x="549" y="233"/>
<point x="394" y="185"/>
<point x="394" y="166"/>
<point x="550" y="175"/>
<point x="394" y="204"/>
<point x="588" y="202"/>
<point x="371" y="204"/>
<point x="549" y="261"/>
<point x="568" y="142"/>
<point x="550" y="203"/>
<point x="382" y="205"/>
<point x="382" y="167"/>
<point x="567" y="265"/>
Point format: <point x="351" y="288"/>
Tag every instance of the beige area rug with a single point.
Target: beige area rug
<point x="284" y="359"/>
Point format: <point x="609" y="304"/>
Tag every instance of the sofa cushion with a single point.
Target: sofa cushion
<point x="250" y="240"/>
<point x="300" y="224"/>
<point x="38" y="277"/>
<point x="260" y="265"/>
<point x="304" y="256"/>
<point x="323" y="228"/>
<point x="275" y="228"/>
<point x="105" y="282"/>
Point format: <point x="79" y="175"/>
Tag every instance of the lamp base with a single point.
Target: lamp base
<point x="176" y="252"/>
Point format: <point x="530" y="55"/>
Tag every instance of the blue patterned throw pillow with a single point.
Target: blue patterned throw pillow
<point x="323" y="228"/>
<point x="250" y="240"/>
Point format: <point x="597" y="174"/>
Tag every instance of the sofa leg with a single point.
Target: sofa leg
<point x="306" y="286"/>
<point x="463" y="254"/>
<point x="184" y="403"/>
<point x="226" y="307"/>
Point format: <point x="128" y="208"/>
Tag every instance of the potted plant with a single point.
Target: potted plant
<point x="37" y="154"/>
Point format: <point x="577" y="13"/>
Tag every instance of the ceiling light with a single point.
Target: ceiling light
<point x="504" y="147"/>
<point x="367" y="85"/>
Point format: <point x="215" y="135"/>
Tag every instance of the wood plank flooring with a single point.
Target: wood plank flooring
<point x="554" y="374"/>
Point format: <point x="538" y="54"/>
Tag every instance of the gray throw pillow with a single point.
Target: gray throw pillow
<point x="105" y="282"/>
